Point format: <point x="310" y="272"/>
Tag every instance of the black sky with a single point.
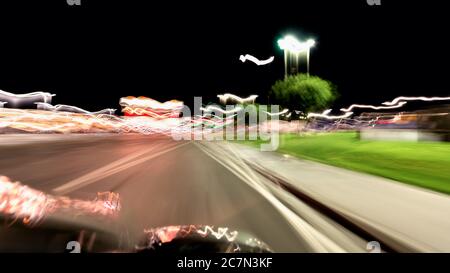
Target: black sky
<point x="92" y="55"/>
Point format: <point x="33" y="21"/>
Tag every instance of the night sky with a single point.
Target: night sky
<point x="92" y="55"/>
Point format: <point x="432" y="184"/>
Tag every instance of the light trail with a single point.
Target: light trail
<point x="396" y="100"/>
<point x="35" y="121"/>
<point x="225" y="97"/>
<point x="38" y="121"/>
<point x="162" y="235"/>
<point x="400" y="104"/>
<point x="212" y="108"/>
<point x="278" y="113"/>
<point x="143" y="106"/>
<point x="32" y="206"/>
<point x="144" y="112"/>
<point x="144" y="102"/>
<point x="72" y="109"/>
<point x="255" y="60"/>
<point x="219" y="234"/>
<point x="213" y="122"/>
<point x="394" y="104"/>
<point x="16" y="100"/>
<point x="325" y="114"/>
<point x="147" y="116"/>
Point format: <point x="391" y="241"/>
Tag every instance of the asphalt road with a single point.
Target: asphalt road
<point x="160" y="181"/>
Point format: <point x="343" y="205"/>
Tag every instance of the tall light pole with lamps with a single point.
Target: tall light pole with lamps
<point x="310" y="43"/>
<point x="291" y="45"/>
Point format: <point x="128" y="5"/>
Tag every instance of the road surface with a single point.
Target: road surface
<point x="160" y="181"/>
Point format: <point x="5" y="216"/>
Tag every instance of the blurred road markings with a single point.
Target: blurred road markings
<point x="112" y="168"/>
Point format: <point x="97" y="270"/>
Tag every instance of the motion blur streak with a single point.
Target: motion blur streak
<point x="211" y="108"/>
<point x="114" y="167"/>
<point x="249" y="57"/>
<point x="39" y="121"/>
<point x="16" y="100"/>
<point x="144" y="112"/>
<point x="396" y="100"/>
<point x="35" y="121"/>
<point x="317" y="241"/>
<point x="144" y="102"/>
<point x="325" y="115"/>
<point x="278" y="113"/>
<point x="226" y="97"/>
<point x="32" y="206"/>
<point x="400" y="104"/>
<point x="163" y="235"/>
<point x="212" y="121"/>
<point x="221" y="232"/>
<point x="183" y="186"/>
<point x="143" y="106"/>
<point x="396" y="103"/>
<point x="73" y="109"/>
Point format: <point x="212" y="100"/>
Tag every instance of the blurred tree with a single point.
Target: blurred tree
<point x="304" y="93"/>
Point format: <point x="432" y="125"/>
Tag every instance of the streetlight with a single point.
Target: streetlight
<point x="309" y="43"/>
<point x="291" y="45"/>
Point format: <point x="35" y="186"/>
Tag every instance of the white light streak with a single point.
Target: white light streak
<point x="72" y="109"/>
<point x="396" y="100"/>
<point x="278" y="113"/>
<point x="16" y="100"/>
<point x="400" y="104"/>
<point x="221" y="232"/>
<point x="143" y="102"/>
<point x="325" y="114"/>
<point x="255" y="60"/>
<point x="225" y="97"/>
<point x="212" y="108"/>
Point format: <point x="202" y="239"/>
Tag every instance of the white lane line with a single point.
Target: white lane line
<point x="110" y="169"/>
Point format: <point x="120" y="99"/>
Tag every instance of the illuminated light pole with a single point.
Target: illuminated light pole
<point x="291" y="45"/>
<point x="310" y="43"/>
